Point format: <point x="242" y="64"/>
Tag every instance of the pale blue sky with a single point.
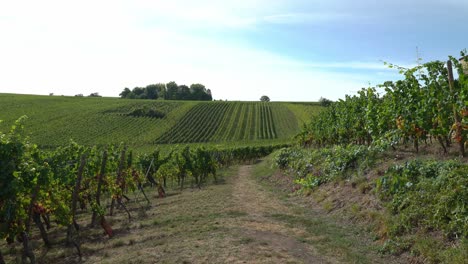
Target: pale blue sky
<point x="288" y="50"/>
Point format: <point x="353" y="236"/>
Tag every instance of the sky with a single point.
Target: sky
<point x="289" y="50"/>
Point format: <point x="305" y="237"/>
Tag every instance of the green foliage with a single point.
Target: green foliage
<point x="427" y="194"/>
<point x="147" y="112"/>
<point x="21" y="170"/>
<point x="423" y="197"/>
<point x="314" y="167"/>
<point x="33" y="179"/>
<point x="325" y="102"/>
<point x="412" y="109"/>
<point x="169" y="91"/>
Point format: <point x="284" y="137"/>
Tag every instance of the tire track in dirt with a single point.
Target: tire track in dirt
<point x="268" y="235"/>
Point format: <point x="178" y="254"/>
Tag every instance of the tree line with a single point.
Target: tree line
<point x="169" y="91"/>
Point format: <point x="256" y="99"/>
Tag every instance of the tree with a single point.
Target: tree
<point x="171" y="91"/>
<point x="209" y="97"/>
<point x="183" y="93"/>
<point x="161" y="88"/>
<point x="125" y="93"/>
<point x="151" y="91"/>
<point x="265" y="98"/>
<point x="138" y="91"/>
<point x="325" y="102"/>
<point x="94" y="95"/>
<point x="198" y="91"/>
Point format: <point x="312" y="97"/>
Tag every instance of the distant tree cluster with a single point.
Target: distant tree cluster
<point x="94" y="95"/>
<point x="91" y="95"/>
<point x="169" y="91"/>
<point x="265" y="98"/>
<point x="325" y="102"/>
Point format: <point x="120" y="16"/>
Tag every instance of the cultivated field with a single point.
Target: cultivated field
<point x="141" y="124"/>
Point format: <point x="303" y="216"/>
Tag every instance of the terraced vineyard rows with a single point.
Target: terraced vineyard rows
<point x="141" y="124"/>
<point x="287" y="119"/>
<point x="232" y="121"/>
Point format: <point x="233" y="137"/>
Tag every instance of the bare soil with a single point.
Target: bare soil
<point x="268" y="234"/>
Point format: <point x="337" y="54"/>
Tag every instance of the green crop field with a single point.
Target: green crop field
<point x="233" y="121"/>
<point x="54" y="120"/>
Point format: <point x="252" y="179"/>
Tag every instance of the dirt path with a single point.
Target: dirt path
<point x="282" y="229"/>
<point x="266" y="233"/>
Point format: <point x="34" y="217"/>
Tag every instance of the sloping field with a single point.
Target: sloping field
<point x="54" y="120"/>
<point x="233" y="121"/>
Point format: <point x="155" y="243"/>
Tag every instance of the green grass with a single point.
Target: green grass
<point x="147" y="124"/>
<point x="303" y="111"/>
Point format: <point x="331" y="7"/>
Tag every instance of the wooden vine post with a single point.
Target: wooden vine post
<point x="37" y="211"/>
<point x="27" y="249"/>
<point x="2" y="261"/>
<point x="458" y="124"/>
<point x="140" y="187"/>
<point x="73" y="228"/>
<point x="102" y="172"/>
<point x="120" y="184"/>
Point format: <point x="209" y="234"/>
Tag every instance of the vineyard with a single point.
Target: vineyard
<point x="54" y="120"/>
<point x="400" y="147"/>
<point x="142" y="124"/>
<point x="224" y="122"/>
<point x="48" y="189"/>
<point x="428" y="105"/>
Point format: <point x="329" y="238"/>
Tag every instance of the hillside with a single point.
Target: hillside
<point x="54" y="120"/>
<point x="233" y="121"/>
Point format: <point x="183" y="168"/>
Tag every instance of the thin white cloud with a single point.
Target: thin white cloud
<point x="305" y="18"/>
<point x="357" y="65"/>
<point x="144" y="57"/>
<point x="101" y="46"/>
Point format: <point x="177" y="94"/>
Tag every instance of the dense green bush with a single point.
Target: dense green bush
<point x="431" y="195"/>
<point x="147" y="112"/>
<point x="424" y="197"/>
<point x="314" y="167"/>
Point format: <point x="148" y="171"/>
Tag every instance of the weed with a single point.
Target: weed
<point x="245" y="240"/>
<point x="233" y="213"/>
<point x="355" y="210"/>
<point x="425" y="247"/>
<point x="319" y="195"/>
<point x="118" y="243"/>
<point x="364" y="187"/>
<point x="395" y="246"/>
<point x="328" y="206"/>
